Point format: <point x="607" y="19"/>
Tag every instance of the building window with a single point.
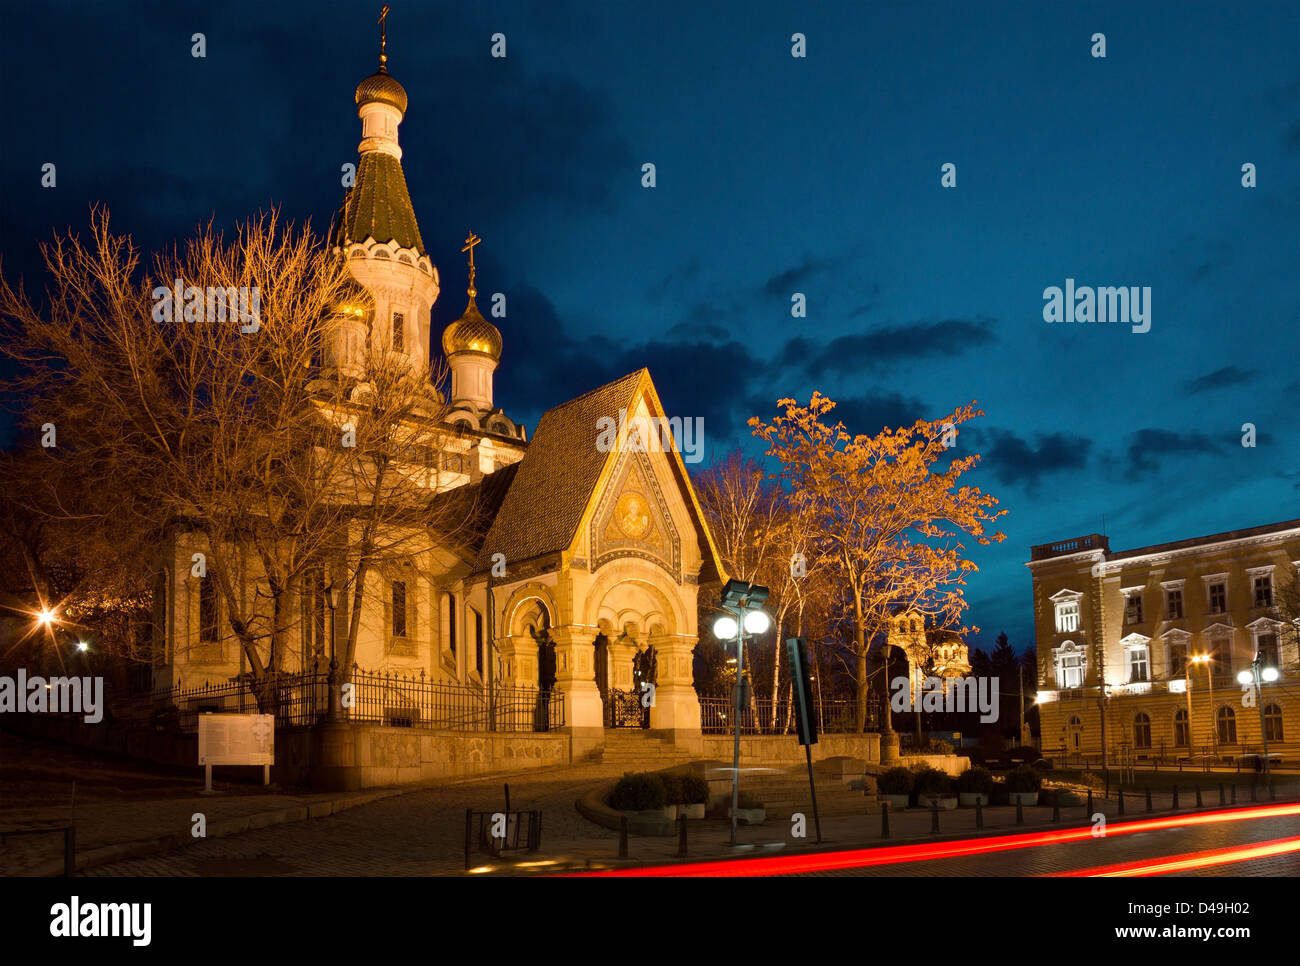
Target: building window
<point x="1267" y="648"/>
<point x="1069" y="669"/>
<point x="399" y="332"/>
<point x="1264" y="590"/>
<point x="1174" y="604"/>
<point x="449" y="622"/>
<point x="1067" y="616"/>
<point x="399" y="608"/>
<point x="478" y="642"/>
<point x="1139" y="666"/>
<point x="1182" y="733"/>
<point x="1273" y="723"/>
<point x="1218" y="598"/>
<point x="1177" y="657"/>
<point x="1142" y="731"/>
<point x="1227" y="726"/>
<point x="209" y="611"/>
<point x="1219" y="650"/>
<point x="1076" y="732"/>
<point x="1133" y="609"/>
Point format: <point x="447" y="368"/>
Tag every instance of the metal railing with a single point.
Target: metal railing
<point x="835" y="716"/>
<point x="386" y="698"/>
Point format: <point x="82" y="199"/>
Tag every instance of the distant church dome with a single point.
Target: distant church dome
<point x="472" y="333"/>
<point x="383" y="89"/>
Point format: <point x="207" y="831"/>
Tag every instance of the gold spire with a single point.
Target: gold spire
<point x="383" y="40"/>
<point x="470" y="242"/>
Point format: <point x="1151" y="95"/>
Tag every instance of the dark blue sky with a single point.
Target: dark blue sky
<point x="775" y="175"/>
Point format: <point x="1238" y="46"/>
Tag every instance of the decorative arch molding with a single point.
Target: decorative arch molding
<point x="515" y="606"/>
<point x="645" y="576"/>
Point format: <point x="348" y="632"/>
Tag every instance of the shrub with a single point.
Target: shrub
<point x="1024" y="779"/>
<point x="639" y="792"/>
<point x="897" y="781"/>
<point x="694" y="790"/>
<point x="975" y="780"/>
<point x="673" y="789"/>
<point x="931" y="781"/>
<point x="940" y="747"/>
<point x="869" y="786"/>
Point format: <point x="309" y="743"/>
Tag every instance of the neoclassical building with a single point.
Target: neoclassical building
<point x="1140" y="649"/>
<point x="574" y="565"/>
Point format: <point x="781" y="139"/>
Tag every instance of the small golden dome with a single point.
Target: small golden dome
<point x="382" y="88"/>
<point x="472" y="333"/>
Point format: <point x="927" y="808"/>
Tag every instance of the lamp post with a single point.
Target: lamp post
<point x="333" y="710"/>
<point x="1187" y="686"/>
<point x="742" y="612"/>
<point x="1255" y="675"/>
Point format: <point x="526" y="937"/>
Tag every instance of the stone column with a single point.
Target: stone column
<point x="676" y="711"/>
<point x="575" y="676"/>
<point x="520" y="655"/>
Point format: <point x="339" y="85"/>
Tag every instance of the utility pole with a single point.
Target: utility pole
<point x="1020" y="677"/>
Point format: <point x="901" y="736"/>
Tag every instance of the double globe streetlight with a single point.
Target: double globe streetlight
<point x="1256" y="674"/>
<point x="741" y="613"/>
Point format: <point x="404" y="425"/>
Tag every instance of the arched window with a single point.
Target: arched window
<point x="1273" y="723"/>
<point x="476" y="625"/>
<point x="1141" y="730"/>
<point x="1227" y="726"/>
<point x="1076" y="732"/>
<point x="1182" y="733"/>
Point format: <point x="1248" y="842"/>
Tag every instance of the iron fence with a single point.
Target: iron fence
<point x="383" y="697"/>
<point x="759" y="717"/>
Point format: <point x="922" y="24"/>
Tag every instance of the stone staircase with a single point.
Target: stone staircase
<point x="639" y="750"/>
<point x="786" y="791"/>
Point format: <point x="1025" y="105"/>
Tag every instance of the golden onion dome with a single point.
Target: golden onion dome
<point x="380" y="87"/>
<point x="472" y="333"/>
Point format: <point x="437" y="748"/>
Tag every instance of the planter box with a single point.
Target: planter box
<point x="692" y="811"/>
<point x="670" y="812"/>
<point x="946" y="802"/>
<point x="969" y="799"/>
<point x="895" y="801"/>
<point x="750" y="816"/>
<point x="1023" y="798"/>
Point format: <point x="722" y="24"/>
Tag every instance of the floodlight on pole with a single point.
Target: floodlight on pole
<point x="725" y="628"/>
<point x="757" y="621"/>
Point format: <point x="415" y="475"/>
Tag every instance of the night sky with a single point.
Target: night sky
<point x="775" y="175"/>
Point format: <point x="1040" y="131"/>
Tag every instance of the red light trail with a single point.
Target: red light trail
<point x="1189" y="860"/>
<point x="925" y="851"/>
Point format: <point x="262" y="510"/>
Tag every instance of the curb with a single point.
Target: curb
<point x="142" y="848"/>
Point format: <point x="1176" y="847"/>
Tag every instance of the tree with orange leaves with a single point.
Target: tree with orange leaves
<point x="886" y="517"/>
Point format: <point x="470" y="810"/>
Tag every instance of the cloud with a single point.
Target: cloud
<point x="784" y="282"/>
<point x="1015" y="460"/>
<point x="1147" y="447"/>
<point x="888" y="345"/>
<point x="868" y="414"/>
<point x="1219" y="378"/>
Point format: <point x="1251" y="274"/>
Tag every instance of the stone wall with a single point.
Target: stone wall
<point x="951" y="764"/>
<point x="778" y="750"/>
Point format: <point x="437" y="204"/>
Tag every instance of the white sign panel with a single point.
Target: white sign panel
<point x="236" y="739"/>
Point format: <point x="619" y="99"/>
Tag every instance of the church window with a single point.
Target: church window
<point x="209" y="631"/>
<point x="399" y="332"/>
<point x="399" y="608"/>
<point x="478" y="641"/>
<point x="448" y="615"/>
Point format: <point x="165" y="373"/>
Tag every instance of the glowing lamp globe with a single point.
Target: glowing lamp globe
<point x="725" y="628"/>
<point x="1269" y="674"/>
<point x="1245" y="677"/>
<point x="757" y="621"/>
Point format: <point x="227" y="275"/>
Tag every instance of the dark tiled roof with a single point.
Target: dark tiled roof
<point x="556" y="477"/>
<point x="379" y="206"/>
<point x="1201" y="541"/>
<point x="469" y="510"/>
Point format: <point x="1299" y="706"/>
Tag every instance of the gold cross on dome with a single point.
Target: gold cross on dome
<point x="470" y="242"/>
<point x="383" y="35"/>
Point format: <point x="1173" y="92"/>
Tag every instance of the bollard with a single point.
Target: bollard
<point x="1223" y="798"/>
<point x="979" y="812"/>
<point x="934" y="815"/>
<point x="681" y="836"/>
<point x="622" y="838"/>
<point x="1199" y="804"/>
<point x="1175" y="805"/>
<point x="1090" y="811"/>
<point x="1056" y="807"/>
<point x="1020" y="813"/>
<point x="1120" y="793"/>
<point x="1148" y="798"/>
<point x="884" y="820"/>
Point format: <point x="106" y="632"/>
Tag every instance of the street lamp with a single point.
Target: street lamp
<point x="1255" y="675"/>
<point x="1208" y="661"/>
<point x="741" y="613"/>
<point x="334" y="710"/>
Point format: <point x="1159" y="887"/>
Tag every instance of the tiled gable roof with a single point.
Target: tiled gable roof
<point x="559" y="472"/>
<point x="469" y="510"/>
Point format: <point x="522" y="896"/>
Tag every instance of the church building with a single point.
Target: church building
<point x="576" y="565"/>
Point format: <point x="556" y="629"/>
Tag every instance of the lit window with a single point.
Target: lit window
<point x="1067" y="616"/>
<point x="1069" y="669"/>
<point x="1139" y="667"/>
